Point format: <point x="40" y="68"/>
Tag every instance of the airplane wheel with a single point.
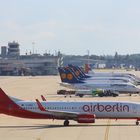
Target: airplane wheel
<point x="137" y="123"/>
<point x="66" y="123"/>
<point x="81" y="95"/>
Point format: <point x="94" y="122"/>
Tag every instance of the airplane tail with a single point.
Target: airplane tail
<point x="62" y="74"/>
<point x="68" y="76"/>
<point x="6" y="103"/>
<point x="79" y="71"/>
<point x="85" y="75"/>
<point x="87" y="68"/>
<point x="3" y="97"/>
<point x="75" y="73"/>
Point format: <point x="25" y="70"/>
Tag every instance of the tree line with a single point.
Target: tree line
<point x="128" y="60"/>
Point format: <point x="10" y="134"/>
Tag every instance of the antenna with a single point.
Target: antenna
<point x="33" y="43"/>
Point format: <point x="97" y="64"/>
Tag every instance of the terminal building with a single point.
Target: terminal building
<point x="12" y="63"/>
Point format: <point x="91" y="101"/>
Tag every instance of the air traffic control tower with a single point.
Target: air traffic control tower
<point x="13" y="49"/>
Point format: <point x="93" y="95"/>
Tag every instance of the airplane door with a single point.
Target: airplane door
<point x="135" y="109"/>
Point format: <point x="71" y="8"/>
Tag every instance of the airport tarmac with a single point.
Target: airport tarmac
<point x="30" y="88"/>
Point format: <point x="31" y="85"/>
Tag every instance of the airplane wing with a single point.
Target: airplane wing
<point x="77" y="116"/>
<point x="64" y="113"/>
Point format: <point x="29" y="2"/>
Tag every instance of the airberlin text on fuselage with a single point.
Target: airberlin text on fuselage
<point x="118" y="107"/>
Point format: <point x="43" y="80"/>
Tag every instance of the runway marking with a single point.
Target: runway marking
<point x="107" y="130"/>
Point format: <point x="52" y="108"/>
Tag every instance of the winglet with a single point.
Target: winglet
<point x="43" y="98"/>
<point x="40" y="106"/>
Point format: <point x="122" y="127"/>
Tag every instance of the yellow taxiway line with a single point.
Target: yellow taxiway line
<point x="107" y="130"/>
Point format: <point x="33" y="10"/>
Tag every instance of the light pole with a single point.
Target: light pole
<point x="33" y="43"/>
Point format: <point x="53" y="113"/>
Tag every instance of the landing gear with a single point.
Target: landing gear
<point x="66" y="123"/>
<point x="137" y="122"/>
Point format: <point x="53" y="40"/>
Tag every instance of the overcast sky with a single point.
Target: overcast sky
<point x="72" y="26"/>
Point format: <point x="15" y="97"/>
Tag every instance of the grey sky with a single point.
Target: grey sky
<point x="73" y="27"/>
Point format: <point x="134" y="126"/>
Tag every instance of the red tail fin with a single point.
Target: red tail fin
<point x="87" y="68"/>
<point x="40" y="106"/>
<point x="3" y="97"/>
<point x="43" y="98"/>
<point x="6" y="104"/>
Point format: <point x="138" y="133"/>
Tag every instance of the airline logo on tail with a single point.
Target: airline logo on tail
<point x="63" y="76"/>
<point x="68" y="76"/>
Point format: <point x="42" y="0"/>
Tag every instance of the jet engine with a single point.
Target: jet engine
<point x="86" y="118"/>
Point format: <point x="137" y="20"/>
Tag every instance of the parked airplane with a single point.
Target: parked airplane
<point x="82" y="112"/>
<point x="100" y="75"/>
<point x="90" y="72"/>
<point x="111" y="79"/>
<point x="74" y="82"/>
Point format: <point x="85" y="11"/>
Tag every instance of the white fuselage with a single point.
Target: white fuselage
<point x="112" y="79"/>
<point x="108" y="109"/>
<point x="120" y="87"/>
<point x="102" y="80"/>
<point x="123" y="75"/>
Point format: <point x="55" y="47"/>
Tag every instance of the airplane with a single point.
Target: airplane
<point x="81" y="76"/>
<point x="70" y="80"/>
<point x="82" y="112"/>
<point x="92" y="73"/>
<point x="105" y="76"/>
